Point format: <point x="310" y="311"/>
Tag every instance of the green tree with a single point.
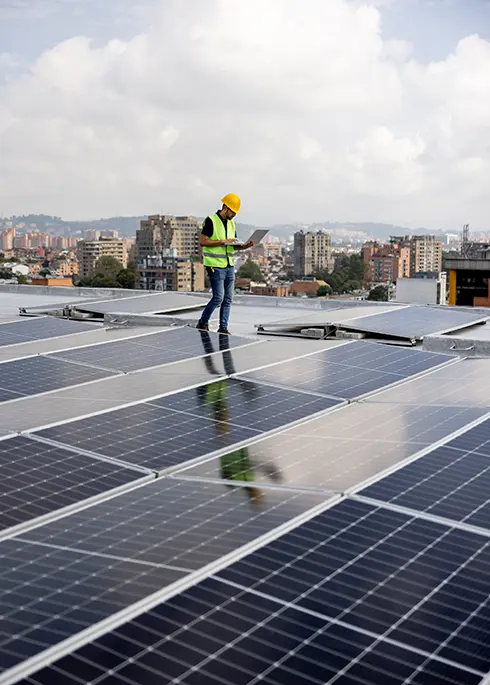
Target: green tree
<point x="379" y="293"/>
<point x="108" y="266"/>
<point x="347" y="276"/>
<point x="251" y="270"/>
<point x="323" y="290"/>
<point x="22" y="279"/>
<point x="126" y="278"/>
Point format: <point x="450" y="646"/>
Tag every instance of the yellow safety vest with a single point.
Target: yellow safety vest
<point x="220" y="256"/>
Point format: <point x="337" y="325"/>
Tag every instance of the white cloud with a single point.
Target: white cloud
<point x="302" y="108"/>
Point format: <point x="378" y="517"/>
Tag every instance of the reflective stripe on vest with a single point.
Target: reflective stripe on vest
<point x="219" y="255"/>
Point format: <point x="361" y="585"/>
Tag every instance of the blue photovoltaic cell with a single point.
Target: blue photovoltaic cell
<point x="420" y="583"/>
<point x="39" y="329"/>
<point x="171" y="345"/>
<point x="447" y="482"/>
<point x="176" y="522"/>
<point x="38" y="479"/>
<point x="188" y="424"/>
<point x="351" y="370"/>
<point x="48" y="594"/>
<point x="33" y="375"/>
<point x="477" y="439"/>
<point x="216" y="634"/>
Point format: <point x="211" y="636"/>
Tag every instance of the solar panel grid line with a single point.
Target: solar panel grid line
<point x="426" y="516"/>
<point x="27" y="526"/>
<point x="46" y="657"/>
<point x="403" y="380"/>
<point x="51" y="337"/>
<point x="208" y="658"/>
<point x="435" y="590"/>
<point x="268" y="414"/>
<point x="187" y="359"/>
<point x="418" y="455"/>
<point x="153" y="646"/>
<point x="93" y="455"/>
<point x="267" y="384"/>
<point x="124" y="405"/>
<point x="357" y="398"/>
<point x="113" y="371"/>
<point x="141" y="355"/>
<point x="424" y="616"/>
<point x="110" y="374"/>
<point x="132" y="337"/>
<point x="178" y="475"/>
<point x="303" y="447"/>
<point x="354" y="372"/>
<point x="104" y="555"/>
<point x="345" y="624"/>
<point x="170" y="470"/>
<point x="457" y="360"/>
<point x="312" y="353"/>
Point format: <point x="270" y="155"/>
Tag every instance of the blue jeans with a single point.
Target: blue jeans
<point x="223" y="286"/>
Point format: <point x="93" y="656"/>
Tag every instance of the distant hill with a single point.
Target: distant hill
<point x="127" y="227"/>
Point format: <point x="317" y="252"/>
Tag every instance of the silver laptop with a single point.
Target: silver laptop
<point x="256" y="236"/>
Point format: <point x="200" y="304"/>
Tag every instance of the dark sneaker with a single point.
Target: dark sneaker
<point x="225" y="331"/>
<point x="202" y="326"/>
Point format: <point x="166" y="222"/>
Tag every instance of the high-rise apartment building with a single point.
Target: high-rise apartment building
<point x="312" y="253"/>
<point x="89" y="251"/>
<point x="161" y="232"/>
<point x="425" y="253"/>
<point x="7" y="239"/>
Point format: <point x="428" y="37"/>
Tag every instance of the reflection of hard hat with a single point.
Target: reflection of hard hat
<point x="232" y="201"/>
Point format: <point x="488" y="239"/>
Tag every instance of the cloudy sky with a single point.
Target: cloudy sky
<point x="340" y="110"/>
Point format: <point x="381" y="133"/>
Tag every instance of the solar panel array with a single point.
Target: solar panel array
<point x="350" y="371"/>
<point x="267" y="527"/>
<point x="16" y="332"/>
<point x="154" y="349"/>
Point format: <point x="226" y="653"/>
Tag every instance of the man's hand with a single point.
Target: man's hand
<point x="249" y="244"/>
<point x="229" y="241"/>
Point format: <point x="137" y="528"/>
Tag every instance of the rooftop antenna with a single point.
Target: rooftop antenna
<point x="465" y="240"/>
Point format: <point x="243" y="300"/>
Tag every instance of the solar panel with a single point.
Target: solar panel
<point x="177" y="523"/>
<point x="422" y="584"/>
<point x="334" y="312"/>
<point x="453" y="481"/>
<point x="37" y="480"/>
<point x="145" y="304"/>
<point x="34" y="375"/>
<point x="415" y="322"/>
<point x="40" y="328"/>
<point x="188" y="424"/>
<point x="49" y="594"/>
<point x="350" y="370"/>
<point x="339" y="450"/>
<point x="141" y="352"/>
<point x="247" y="404"/>
<point x="477" y="439"/>
<point x="214" y="633"/>
<point x="461" y="384"/>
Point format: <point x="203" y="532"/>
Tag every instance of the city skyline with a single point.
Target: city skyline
<point x="358" y="110"/>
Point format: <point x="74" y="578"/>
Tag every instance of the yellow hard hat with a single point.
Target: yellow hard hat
<point x="232" y="201"/>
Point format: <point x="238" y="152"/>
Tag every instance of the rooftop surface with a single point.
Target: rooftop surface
<point x="192" y="508"/>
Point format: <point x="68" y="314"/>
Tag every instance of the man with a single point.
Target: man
<point x="217" y="240"/>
